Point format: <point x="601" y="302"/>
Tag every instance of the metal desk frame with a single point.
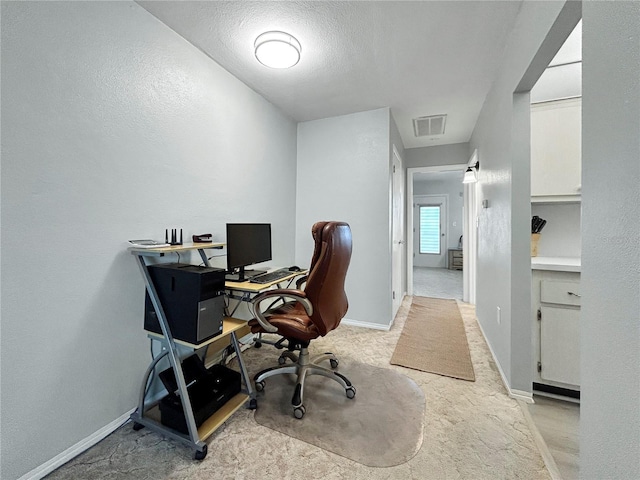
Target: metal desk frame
<point x="194" y="439"/>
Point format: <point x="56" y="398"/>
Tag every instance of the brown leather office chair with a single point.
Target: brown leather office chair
<point x="310" y="313"/>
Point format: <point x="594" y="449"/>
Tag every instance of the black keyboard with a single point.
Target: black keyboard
<point x="272" y="276"/>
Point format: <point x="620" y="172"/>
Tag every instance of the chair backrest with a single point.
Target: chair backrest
<point x="316" y="233"/>
<point x="329" y="265"/>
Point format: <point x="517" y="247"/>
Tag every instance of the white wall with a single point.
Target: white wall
<point x="453" y="154"/>
<point x="501" y="138"/>
<point x="114" y="127"/>
<point x="610" y="314"/>
<point x="561" y="234"/>
<point x="343" y="174"/>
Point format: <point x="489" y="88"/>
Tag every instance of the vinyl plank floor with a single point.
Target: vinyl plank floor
<point x="437" y="282"/>
<point x="559" y="422"/>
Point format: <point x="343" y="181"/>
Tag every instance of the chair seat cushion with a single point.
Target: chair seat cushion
<point x="291" y="320"/>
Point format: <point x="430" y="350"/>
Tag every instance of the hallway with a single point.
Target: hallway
<point x="555" y="422"/>
<point x="437" y="282"/>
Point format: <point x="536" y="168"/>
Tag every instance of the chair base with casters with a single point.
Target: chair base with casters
<point x="303" y="367"/>
<point x="305" y="315"/>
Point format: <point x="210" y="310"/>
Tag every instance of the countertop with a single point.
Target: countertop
<point x="558" y="264"/>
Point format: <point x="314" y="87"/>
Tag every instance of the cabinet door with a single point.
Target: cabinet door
<point x="560" y="344"/>
<point x="556" y="156"/>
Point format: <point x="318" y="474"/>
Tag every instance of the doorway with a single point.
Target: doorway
<point x="435" y="203"/>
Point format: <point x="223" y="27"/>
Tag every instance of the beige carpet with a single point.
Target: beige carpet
<point x="434" y="340"/>
<point x="473" y="430"/>
<point x="380" y="427"/>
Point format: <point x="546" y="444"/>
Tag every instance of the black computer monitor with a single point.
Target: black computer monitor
<point x="247" y="244"/>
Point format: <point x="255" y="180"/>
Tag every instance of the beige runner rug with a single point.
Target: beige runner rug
<point x="434" y="340"/>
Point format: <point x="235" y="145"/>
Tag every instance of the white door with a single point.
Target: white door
<point x="398" y="232"/>
<point x="430" y="231"/>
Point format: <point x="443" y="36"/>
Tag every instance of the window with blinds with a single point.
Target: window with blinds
<point x="430" y="229"/>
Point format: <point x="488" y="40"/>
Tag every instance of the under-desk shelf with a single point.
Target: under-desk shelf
<point x="229" y="324"/>
<point x="214" y="422"/>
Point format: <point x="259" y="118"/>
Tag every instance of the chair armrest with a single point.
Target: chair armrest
<point x="301" y="281"/>
<point x="297" y="295"/>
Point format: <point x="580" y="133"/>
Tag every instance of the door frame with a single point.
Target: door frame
<point x="470" y="237"/>
<point x="409" y="235"/>
<point x="397" y="287"/>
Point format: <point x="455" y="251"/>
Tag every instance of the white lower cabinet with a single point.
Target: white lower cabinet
<point x="560" y="345"/>
<point x="556" y="315"/>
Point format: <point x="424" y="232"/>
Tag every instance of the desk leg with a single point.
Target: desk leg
<point x="174" y="359"/>
<point x="145" y="382"/>
<point x="245" y="297"/>
<point x="243" y="370"/>
<point x="204" y="258"/>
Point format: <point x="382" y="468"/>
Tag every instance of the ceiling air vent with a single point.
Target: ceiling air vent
<point x="429" y="126"/>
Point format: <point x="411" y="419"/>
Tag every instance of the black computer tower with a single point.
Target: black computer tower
<point x="192" y="299"/>
<point x="208" y="388"/>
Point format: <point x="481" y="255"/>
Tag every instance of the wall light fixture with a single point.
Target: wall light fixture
<point x="471" y="175"/>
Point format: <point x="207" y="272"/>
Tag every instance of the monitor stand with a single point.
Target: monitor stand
<point x="243" y="275"/>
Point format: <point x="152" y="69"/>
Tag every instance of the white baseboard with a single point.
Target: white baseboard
<point x="526" y="397"/>
<point x="75" y="450"/>
<point x="404" y="295"/>
<point x="521" y="395"/>
<point x="85" y="444"/>
<point x="358" y="323"/>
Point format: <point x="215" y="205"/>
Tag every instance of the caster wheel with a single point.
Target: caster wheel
<point x="199" y="455"/>
<point x="253" y="404"/>
<point x="334" y="363"/>
<point x="259" y="386"/>
<point x="257" y="344"/>
<point x="299" y="412"/>
<point x="350" y="391"/>
<point x="137" y="426"/>
<point x="281" y="360"/>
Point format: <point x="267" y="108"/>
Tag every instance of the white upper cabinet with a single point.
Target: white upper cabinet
<point x="556" y="156"/>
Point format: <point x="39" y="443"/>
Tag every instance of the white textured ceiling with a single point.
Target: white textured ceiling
<point x="419" y="57"/>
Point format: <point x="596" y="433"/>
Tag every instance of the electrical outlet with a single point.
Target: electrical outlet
<point x="498" y="315"/>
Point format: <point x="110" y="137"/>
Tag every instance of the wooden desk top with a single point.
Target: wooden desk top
<point x="176" y="248"/>
<point x="247" y="286"/>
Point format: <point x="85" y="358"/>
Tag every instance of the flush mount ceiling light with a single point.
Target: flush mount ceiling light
<point x="470" y="174"/>
<point x="277" y="49"/>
